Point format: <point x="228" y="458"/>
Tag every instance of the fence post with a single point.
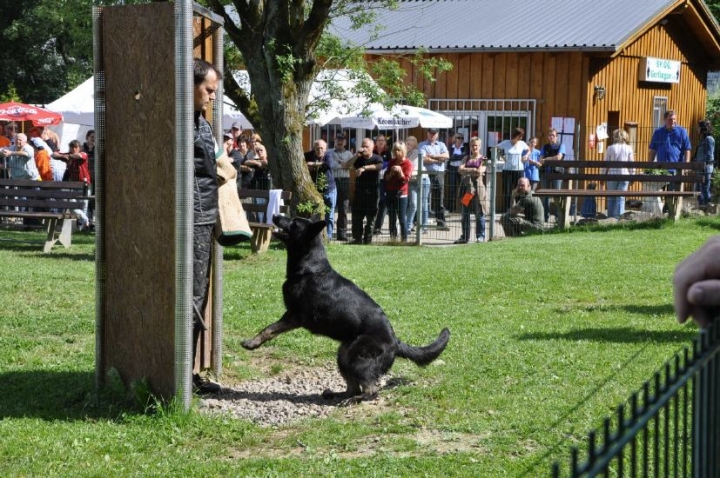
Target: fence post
<point x="493" y="181"/>
<point x="420" y="202"/>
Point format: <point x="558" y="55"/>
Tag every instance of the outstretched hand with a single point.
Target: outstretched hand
<point x="697" y="284"/>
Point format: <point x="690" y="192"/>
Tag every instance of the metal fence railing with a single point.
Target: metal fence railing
<point x="670" y="428"/>
<point x="447" y="227"/>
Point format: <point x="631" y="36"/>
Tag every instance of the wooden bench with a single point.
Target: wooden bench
<point x="577" y="177"/>
<point x="261" y="232"/>
<point x="50" y="201"/>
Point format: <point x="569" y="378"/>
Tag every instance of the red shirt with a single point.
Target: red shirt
<point x="78" y="169"/>
<point x="394" y="183"/>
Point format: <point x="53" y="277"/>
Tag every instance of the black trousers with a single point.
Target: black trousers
<point x="437" y="190"/>
<point x="342" y="205"/>
<point x="202" y="253"/>
<point x="364" y="210"/>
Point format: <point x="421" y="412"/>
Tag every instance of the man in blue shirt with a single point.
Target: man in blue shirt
<point x="436" y="155"/>
<point x="670" y="143"/>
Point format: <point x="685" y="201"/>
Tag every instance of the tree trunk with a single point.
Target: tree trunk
<point x="278" y="39"/>
<point x="283" y="140"/>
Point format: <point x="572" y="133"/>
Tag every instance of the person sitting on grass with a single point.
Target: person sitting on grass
<point x="526" y="214"/>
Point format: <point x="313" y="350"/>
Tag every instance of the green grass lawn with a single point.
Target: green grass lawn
<point x="549" y="334"/>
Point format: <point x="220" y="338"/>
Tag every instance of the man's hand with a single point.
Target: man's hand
<point x="697" y="284"/>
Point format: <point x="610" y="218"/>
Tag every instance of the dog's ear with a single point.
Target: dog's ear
<point x="315" y="217"/>
<point x="317" y="227"/>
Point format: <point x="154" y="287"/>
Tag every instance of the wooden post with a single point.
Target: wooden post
<point x="144" y="259"/>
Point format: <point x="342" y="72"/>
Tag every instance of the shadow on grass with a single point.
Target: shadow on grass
<point x="654" y="223"/>
<point x="242" y="251"/>
<point x="56" y="253"/>
<point x="616" y="335"/>
<point x="29" y="243"/>
<point x="708" y="222"/>
<point x="53" y="395"/>
<point x="649" y="310"/>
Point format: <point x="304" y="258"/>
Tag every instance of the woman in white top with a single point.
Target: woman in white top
<point x="514" y="150"/>
<point x="618" y="151"/>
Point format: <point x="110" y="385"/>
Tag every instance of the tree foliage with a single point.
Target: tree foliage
<point x="714" y="6"/>
<point x="283" y="44"/>
<point x="47" y="47"/>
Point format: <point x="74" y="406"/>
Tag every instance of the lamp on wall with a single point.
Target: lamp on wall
<point x="600" y="92"/>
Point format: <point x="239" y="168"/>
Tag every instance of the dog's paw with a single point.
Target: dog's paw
<point x="249" y="344"/>
<point x="351" y="401"/>
<point x="356" y="399"/>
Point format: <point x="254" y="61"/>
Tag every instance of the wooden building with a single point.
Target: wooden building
<point x="537" y="63"/>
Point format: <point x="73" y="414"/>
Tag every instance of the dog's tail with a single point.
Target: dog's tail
<point x="424" y="355"/>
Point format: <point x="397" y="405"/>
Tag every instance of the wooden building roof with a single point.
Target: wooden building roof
<point x="522" y="25"/>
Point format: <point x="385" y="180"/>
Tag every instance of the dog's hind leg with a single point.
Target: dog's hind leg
<point x="285" y="324"/>
<point x="353" y="386"/>
<point x="361" y="364"/>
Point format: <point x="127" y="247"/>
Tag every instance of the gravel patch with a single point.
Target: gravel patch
<point x="283" y="398"/>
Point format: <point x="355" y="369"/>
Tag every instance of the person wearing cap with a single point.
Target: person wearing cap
<point x="435" y="155"/>
<point x="235" y="132"/>
<point x="340" y="164"/>
<point x="42" y="158"/>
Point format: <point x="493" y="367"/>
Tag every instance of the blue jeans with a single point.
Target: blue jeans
<point x="547" y="184"/>
<point x="397" y="212"/>
<point x="479" y="222"/>
<point x="616" y="205"/>
<point x="260" y="216"/>
<point x="705" y="194"/>
<point x="330" y="198"/>
<point x="412" y="203"/>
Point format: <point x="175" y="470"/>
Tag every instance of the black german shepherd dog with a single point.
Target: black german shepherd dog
<point x="325" y="303"/>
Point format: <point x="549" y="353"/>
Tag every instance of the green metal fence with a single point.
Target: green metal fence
<point x="668" y="428"/>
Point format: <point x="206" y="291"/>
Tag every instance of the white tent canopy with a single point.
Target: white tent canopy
<point x="334" y="93"/>
<point x="399" y="117"/>
<point x="337" y="97"/>
<point x="78" y="107"/>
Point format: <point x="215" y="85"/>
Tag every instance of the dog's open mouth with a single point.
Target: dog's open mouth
<point x="281" y="224"/>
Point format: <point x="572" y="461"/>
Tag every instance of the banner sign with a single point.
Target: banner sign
<point x="658" y="70"/>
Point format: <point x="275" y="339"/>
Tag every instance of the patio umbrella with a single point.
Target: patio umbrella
<point x="22" y="112"/>
<point x="399" y="117"/>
